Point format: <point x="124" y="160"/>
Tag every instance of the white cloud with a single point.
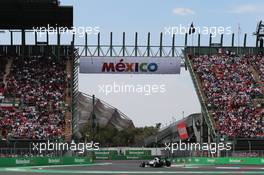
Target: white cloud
<point x="247" y="8"/>
<point x="183" y="11"/>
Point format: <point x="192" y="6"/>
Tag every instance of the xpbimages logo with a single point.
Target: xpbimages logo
<point x="144" y="89"/>
<point x="59" y="146"/>
<point x="211" y="147"/>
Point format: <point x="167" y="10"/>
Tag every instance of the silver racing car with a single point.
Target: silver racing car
<point x="156" y="162"/>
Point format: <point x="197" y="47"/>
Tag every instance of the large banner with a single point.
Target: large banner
<point x="130" y="65"/>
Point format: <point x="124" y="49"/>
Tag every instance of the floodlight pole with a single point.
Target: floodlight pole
<point x="23" y="41"/>
<point x="86" y="44"/>
<point x="36" y="38"/>
<point x="160" y="50"/>
<point x="136" y="44"/>
<point x="199" y="43"/>
<point x="148" y="46"/>
<point x="98" y="44"/>
<point x="111" y="44"/>
<point x="58" y="43"/>
<point x="221" y="41"/>
<point x="233" y="40"/>
<point x="210" y="43"/>
<point x="186" y="40"/>
<point x="245" y="40"/>
<point x="124" y="44"/>
<point x="47" y="37"/>
<point x="173" y="45"/>
<point x="11" y="36"/>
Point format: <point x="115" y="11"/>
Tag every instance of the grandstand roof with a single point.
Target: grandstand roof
<point x="105" y="113"/>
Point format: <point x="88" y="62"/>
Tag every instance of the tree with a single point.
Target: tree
<point x="110" y="136"/>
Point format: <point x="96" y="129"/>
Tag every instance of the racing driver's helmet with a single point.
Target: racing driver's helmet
<point x="156" y="159"/>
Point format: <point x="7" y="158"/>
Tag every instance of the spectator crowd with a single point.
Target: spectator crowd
<point x="230" y="89"/>
<point x="3" y="63"/>
<point x="258" y="63"/>
<point x="37" y="85"/>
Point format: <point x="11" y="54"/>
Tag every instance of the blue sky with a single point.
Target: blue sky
<point x="153" y="15"/>
<point x="144" y="16"/>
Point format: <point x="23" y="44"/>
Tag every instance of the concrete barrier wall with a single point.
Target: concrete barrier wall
<point x="41" y="161"/>
<point x="219" y="161"/>
<point x="127" y="155"/>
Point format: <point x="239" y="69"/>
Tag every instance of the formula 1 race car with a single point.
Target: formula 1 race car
<point x="156" y="162"/>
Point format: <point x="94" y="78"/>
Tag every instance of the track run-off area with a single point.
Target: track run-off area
<point x="131" y="167"/>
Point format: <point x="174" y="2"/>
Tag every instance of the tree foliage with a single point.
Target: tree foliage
<point x="110" y="137"/>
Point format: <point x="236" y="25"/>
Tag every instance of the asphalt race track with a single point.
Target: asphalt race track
<point x="132" y="167"/>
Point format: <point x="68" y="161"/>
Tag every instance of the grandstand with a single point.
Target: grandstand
<point x="36" y="100"/>
<point x="36" y="87"/>
<point x="229" y="85"/>
<point x="170" y="133"/>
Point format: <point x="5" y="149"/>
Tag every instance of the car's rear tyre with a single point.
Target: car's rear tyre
<point x="143" y="165"/>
